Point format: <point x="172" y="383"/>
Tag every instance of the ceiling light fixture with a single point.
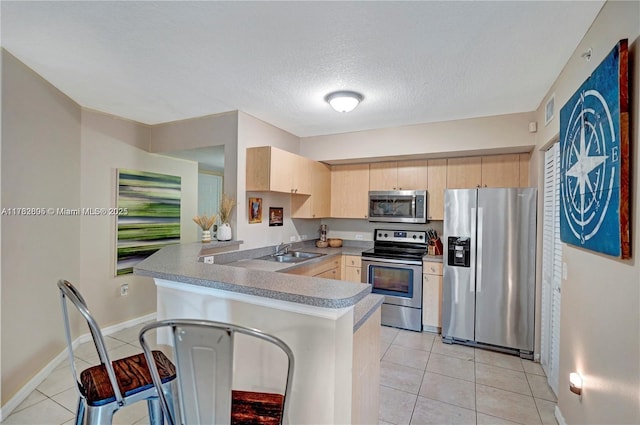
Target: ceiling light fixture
<point x="344" y="101"/>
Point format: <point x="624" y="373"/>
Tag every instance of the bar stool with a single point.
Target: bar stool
<point x="105" y="388"/>
<point x="203" y="352"/>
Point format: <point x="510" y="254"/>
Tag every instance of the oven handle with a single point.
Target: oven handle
<point x="391" y="261"/>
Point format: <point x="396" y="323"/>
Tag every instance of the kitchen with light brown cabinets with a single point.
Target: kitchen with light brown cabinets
<point x="318" y="205"/>
<point x="350" y="191"/>
<point x="352" y="268"/>
<point x="401" y="175"/>
<point x="431" y="296"/>
<point x="276" y="170"/>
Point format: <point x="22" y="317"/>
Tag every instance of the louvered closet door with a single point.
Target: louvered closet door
<point x="551" y="269"/>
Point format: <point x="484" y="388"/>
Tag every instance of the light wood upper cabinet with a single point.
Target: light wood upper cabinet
<point x="401" y="175"/>
<point x="350" y="191"/>
<point x="383" y="176"/>
<point x="464" y="173"/>
<point x="501" y="171"/>
<point x="276" y="170"/>
<point x="413" y="175"/>
<point x="437" y="179"/>
<point x="318" y="205"/>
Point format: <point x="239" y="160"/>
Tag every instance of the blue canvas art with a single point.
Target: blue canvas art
<point x="594" y="160"/>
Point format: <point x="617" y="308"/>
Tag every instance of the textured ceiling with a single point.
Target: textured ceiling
<point x="414" y="62"/>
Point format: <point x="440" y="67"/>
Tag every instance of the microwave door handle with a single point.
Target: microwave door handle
<point x="413" y="206"/>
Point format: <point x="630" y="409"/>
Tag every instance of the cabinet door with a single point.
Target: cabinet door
<point x="350" y="191"/>
<point x="353" y="274"/>
<point x="413" y="175"/>
<point x="302" y="179"/>
<point x="283" y="164"/>
<point x="501" y="171"/>
<point x="437" y="183"/>
<point x="464" y="173"/>
<point x="318" y="205"/>
<point x="383" y="176"/>
<point x="320" y="190"/>
<point x="524" y="159"/>
<point x="329" y="274"/>
<point x="431" y="302"/>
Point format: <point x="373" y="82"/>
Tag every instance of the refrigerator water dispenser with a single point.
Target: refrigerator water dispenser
<point x="459" y="251"/>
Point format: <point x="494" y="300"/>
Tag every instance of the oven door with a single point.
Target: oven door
<point x="400" y="281"/>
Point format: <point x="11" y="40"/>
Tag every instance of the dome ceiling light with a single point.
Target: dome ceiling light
<point x="344" y="101"/>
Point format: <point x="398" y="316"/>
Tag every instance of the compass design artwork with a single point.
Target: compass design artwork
<point x="594" y="160"/>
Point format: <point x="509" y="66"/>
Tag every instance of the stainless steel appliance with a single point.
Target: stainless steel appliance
<point x="394" y="268"/>
<point x="398" y="206"/>
<point x="488" y="297"/>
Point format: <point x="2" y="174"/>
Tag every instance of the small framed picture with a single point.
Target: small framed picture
<point x="275" y="216"/>
<point x="549" y="109"/>
<point x="255" y="210"/>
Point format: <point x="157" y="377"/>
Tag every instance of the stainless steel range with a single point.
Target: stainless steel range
<point x="394" y="268"/>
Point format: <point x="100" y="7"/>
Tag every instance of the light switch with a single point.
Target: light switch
<point x="564" y="271"/>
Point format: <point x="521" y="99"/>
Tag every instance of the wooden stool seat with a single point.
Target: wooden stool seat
<point x="132" y="374"/>
<point x="256" y="408"/>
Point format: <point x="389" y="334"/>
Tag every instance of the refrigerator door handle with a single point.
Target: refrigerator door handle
<point x="479" y="251"/>
<point x="472" y="269"/>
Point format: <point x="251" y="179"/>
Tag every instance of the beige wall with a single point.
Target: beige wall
<point x="497" y="134"/>
<point x="54" y="154"/>
<point x="40" y="168"/>
<point x="254" y="132"/>
<point x="109" y="143"/>
<point x="202" y="132"/>
<point x="600" y="315"/>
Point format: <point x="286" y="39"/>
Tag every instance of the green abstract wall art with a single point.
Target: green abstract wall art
<point x="152" y="217"/>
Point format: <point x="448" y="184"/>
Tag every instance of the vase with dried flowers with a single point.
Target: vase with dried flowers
<point x="205" y="222"/>
<point x="226" y="208"/>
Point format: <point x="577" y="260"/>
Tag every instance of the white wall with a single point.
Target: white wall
<point x="109" y="143"/>
<point x="497" y="134"/>
<point x="600" y="321"/>
<point x="251" y="133"/>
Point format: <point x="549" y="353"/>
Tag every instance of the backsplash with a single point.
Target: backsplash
<point x="356" y="229"/>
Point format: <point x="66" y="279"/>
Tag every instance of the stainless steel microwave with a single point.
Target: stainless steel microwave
<point x="398" y="206"/>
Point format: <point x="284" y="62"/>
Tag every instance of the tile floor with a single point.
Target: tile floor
<point x="423" y="381"/>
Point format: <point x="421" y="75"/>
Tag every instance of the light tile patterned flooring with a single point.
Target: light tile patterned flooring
<point x="423" y="381"/>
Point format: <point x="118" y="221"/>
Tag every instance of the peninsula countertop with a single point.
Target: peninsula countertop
<point x="179" y="263"/>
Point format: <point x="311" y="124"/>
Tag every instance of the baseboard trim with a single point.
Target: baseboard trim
<point x="559" y="417"/>
<point x="33" y="383"/>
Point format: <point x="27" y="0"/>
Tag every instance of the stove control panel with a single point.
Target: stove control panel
<point x="404" y="236"/>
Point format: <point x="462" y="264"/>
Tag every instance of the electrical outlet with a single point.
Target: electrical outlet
<point x="292" y="238"/>
<point x="124" y="289"/>
<point x="208" y="259"/>
<point x="359" y="237"/>
<point x="303" y="237"/>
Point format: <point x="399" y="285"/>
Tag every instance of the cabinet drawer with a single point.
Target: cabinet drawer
<point x="431" y="267"/>
<point x="352" y="261"/>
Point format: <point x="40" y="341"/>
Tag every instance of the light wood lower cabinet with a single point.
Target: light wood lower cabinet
<point x="431" y="296"/>
<point x="352" y="268"/>
<point x="328" y="268"/>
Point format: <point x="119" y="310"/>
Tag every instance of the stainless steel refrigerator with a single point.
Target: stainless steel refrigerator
<point x="488" y="292"/>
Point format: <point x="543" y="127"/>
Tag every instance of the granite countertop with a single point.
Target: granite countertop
<point x="185" y="263"/>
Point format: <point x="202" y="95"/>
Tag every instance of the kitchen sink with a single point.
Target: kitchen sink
<point x="291" y="257"/>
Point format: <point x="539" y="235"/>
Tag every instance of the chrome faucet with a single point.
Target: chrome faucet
<point x="283" y="248"/>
